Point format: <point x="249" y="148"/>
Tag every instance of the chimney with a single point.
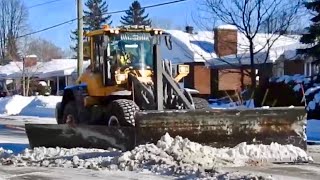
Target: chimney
<point x="189" y="29"/>
<point x="30" y="60"/>
<point x="225" y="40"/>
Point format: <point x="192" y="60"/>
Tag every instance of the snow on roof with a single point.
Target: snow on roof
<point x="227" y="26"/>
<point x="199" y="47"/>
<point x="10" y="68"/>
<point x="32" y="56"/>
<point x="57" y="67"/>
<point x="53" y="68"/>
<point x="189" y="47"/>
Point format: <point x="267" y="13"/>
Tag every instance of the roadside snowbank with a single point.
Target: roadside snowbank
<point x="14" y="104"/>
<point x="171" y="156"/>
<point x="41" y="106"/>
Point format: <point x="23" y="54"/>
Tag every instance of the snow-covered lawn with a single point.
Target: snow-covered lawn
<point x="313" y="130"/>
<point x="40" y="106"/>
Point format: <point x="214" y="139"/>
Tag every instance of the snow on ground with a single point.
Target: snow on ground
<point x="12" y="135"/>
<point x="41" y="106"/>
<point x="313" y="130"/>
<point x="170" y="156"/>
<point x="13" y="105"/>
<point x="215" y="104"/>
<point x="9" y="172"/>
<point x="22" y="120"/>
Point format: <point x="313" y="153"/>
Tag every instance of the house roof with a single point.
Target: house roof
<point x="9" y="69"/>
<point x="53" y="68"/>
<point x="199" y="47"/>
<point x="59" y="67"/>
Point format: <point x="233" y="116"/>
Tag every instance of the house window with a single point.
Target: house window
<point x="308" y="69"/>
<point x="315" y="69"/>
<point x="279" y="69"/>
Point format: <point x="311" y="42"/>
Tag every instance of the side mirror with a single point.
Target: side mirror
<point x="168" y="42"/>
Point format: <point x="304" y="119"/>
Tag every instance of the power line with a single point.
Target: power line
<point x="112" y="12"/>
<point x="146" y="7"/>
<point x="45" y="29"/>
<point x="42" y="4"/>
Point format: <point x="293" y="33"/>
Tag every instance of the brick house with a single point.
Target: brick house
<point x="218" y="57"/>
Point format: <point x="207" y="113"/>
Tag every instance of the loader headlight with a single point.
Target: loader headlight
<point x="120" y="77"/>
<point x="183" y="69"/>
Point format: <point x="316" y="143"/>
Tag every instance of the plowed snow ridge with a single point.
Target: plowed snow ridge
<point x="169" y="155"/>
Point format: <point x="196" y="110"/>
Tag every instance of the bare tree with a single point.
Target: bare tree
<point x="29" y="68"/>
<point x="29" y="65"/>
<point x="45" y="50"/>
<point x="250" y="17"/>
<point x="68" y="53"/>
<point x="13" y="18"/>
<point x="161" y="23"/>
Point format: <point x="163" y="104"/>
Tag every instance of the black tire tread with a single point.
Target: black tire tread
<point x="201" y="103"/>
<point x="125" y="110"/>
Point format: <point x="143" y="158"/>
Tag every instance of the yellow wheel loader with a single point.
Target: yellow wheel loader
<point x="129" y="95"/>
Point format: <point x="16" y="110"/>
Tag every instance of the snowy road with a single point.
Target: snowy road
<point x="279" y="172"/>
<point x="15" y="173"/>
<point x="10" y="134"/>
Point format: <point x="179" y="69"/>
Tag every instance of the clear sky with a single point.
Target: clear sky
<point x="41" y="17"/>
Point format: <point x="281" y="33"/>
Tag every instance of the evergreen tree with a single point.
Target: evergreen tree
<point x="96" y="16"/>
<point x="93" y="19"/>
<point x="135" y="16"/>
<point x="313" y="35"/>
<point x="74" y="37"/>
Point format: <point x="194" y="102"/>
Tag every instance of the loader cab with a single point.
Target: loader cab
<point x="115" y="52"/>
<point x="132" y="50"/>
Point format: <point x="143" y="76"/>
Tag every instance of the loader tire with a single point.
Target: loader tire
<point x="122" y="112"/>
<point x="200" y="103"/>
<point x="70" y="109"/>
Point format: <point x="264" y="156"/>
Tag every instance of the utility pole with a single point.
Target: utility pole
<point x="80" y="37"/>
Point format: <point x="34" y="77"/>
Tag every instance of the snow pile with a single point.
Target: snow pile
<point x="178" y="151"/>
<point x="62" y="157"/>
<point x="97" y="159"/>
<point x="29" y="106"/>
<point x="42" y="106"/>
<point x="5" y="153"/>
<point x="14" y="104"/>
<point x="170" y="156"/>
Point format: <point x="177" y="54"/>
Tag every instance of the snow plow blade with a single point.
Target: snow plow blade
<point x="216" y="128"/>
<point x="86" y="136"/>
<point x="226" y="128"/>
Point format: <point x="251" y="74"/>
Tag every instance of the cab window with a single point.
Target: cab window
<point x="98" y="53"/>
